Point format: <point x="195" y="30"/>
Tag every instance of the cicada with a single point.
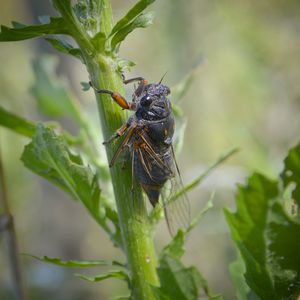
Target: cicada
<point x="148" y="134"/>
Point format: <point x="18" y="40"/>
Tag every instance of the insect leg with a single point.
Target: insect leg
<point x="126" y="81"/>
<point x="142" y="83"/>
<point x="120" y="132"/>
<point x="132" y="169"/>
<point x="123" y="145"/>
<point x="118" y="98"/>
<point x="150" y="150"/>
<point x="145" y="167"/>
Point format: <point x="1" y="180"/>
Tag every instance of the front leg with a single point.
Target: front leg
<point x="119" y="99"/>
<point x="141" y="85"/>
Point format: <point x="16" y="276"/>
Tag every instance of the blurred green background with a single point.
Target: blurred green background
<point x="246" y="93"/>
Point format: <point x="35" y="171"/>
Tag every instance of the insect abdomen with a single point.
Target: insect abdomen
<point x="153" y="174"/>
<point x="153" y="192"/>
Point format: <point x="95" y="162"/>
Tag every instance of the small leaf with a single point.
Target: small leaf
<point x="16" y="123"/>
<point x="113" y="274"/>
<point x="99" y="41"/>
<point x="85" y="86"/>
<point x="19" y="25"/>
<point x="70" y="263"/>
<point x="132" y="13"/>
<point x="44" y="19"/>
<point x="177" y="281"/>
<point x="180" y="282"/>
<point x="141" y="21"/>
<point x="175" y="247"/>
<point x="21" y="32"/>
<point x="62" y="46"/>
<point x="124" y="65"/>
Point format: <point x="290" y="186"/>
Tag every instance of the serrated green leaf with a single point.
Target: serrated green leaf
<point x="62" y="46"/>
<point x="52" y="97"/>
<point x="132" y="13"/>
<point x="180" y="282"/>
<point x="175" y="247"/>
<point x="21" y="32"/>
<point x="16" y="123"/>
<point x="113" y="274"/>
<point x="141" y="21"/>
<point x="177" y="281"/>
<point x="70" y="263"/>
<point x="265" y="236"/>
<point x="248" y="227"/>
<point x="48" y="156"/>
<point x="237" y="270"/>
<point x="291" y="172"/>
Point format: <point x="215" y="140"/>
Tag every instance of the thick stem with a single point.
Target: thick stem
<point x="137" y="239"/>
<point x="136" y="233"/>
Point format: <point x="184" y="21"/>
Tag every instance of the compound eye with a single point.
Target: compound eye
<point x="146" y="100"/>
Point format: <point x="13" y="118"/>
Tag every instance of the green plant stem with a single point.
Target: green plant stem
<point x="136" y="233"/>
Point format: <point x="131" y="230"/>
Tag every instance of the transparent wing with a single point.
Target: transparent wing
<point x="173" y="199"/>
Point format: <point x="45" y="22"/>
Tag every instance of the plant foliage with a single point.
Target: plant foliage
<point x="265" y="232"/>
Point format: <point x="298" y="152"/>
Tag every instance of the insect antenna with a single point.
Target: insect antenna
<point x="163" y="77"/>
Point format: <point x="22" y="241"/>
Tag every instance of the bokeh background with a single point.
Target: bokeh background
<point x="246" y="93"/>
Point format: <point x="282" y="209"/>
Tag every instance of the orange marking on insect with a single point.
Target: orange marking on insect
<point x="165" y="131"/>
<point x="138" y="145"/>
<point x="120" y="100"/>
